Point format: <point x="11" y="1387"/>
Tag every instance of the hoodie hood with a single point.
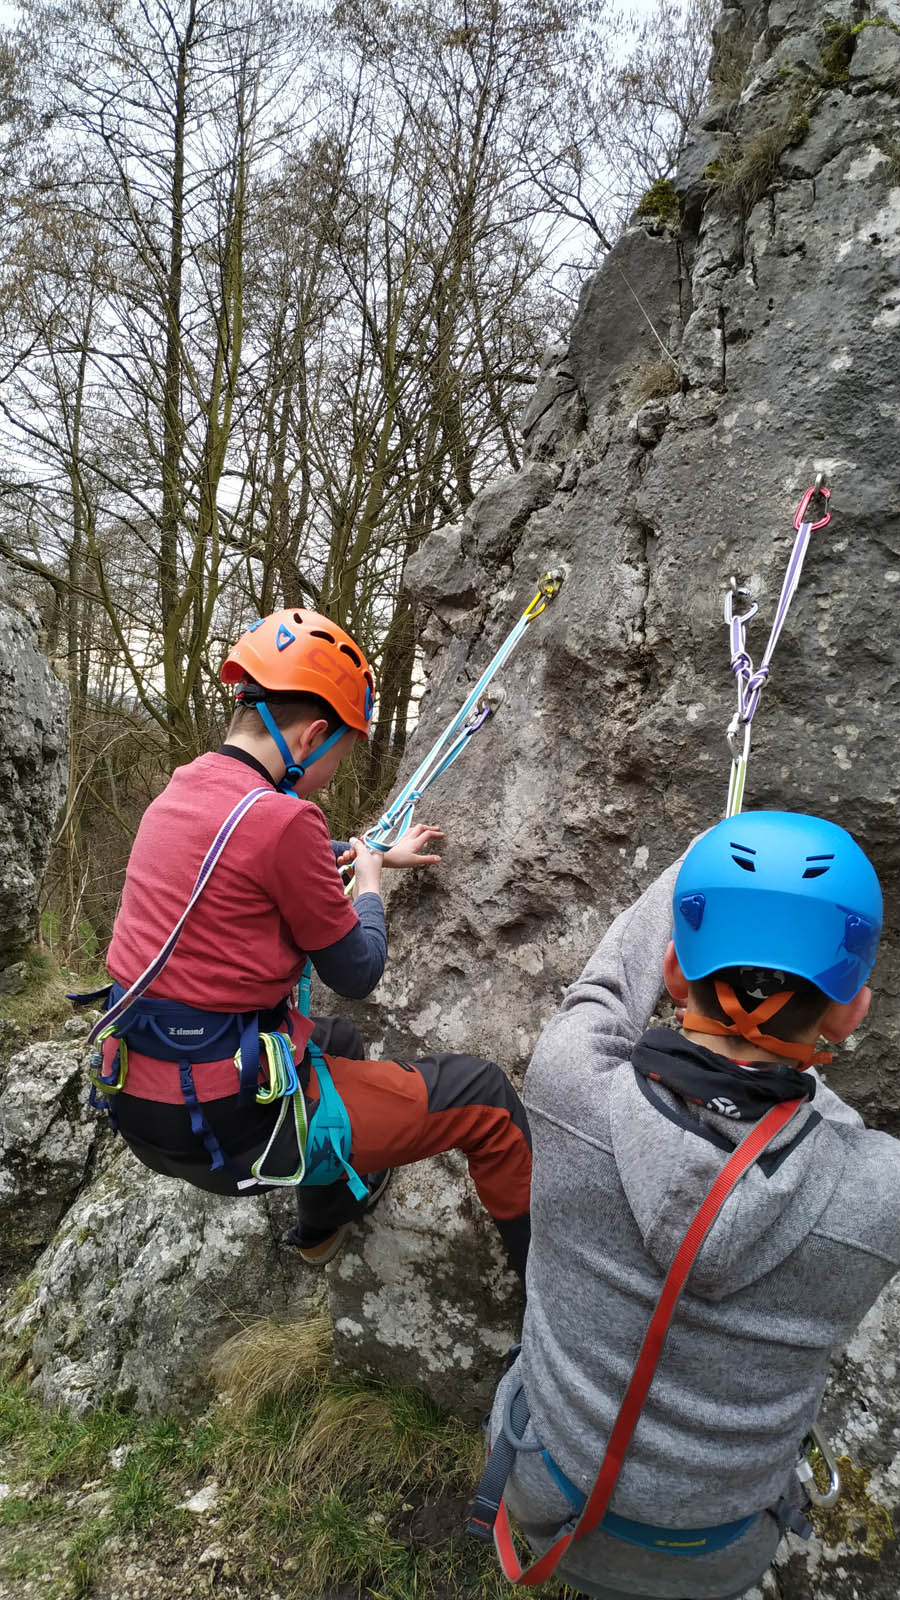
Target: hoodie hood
<point x="772" y="1207"/>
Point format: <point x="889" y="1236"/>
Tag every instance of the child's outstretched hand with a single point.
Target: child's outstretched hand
<point x="407" y="852"/>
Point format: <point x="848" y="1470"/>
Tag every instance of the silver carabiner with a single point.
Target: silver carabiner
<point x="815" y="1495"/>
<point x="738" y="744"/>
<point x="730" y="597"/>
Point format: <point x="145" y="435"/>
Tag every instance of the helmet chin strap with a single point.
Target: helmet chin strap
<point x="746" y="1025"/>
<point x="294" y="770"/>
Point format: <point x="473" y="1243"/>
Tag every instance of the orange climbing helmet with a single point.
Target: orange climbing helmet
<point x="302" y="652"/>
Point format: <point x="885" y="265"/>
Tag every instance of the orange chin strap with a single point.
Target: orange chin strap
<point x="745" y="1024"/>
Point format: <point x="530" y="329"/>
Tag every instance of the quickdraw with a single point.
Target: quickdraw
<point x="750" y="685"/>
<point x="281" y="1073"/>
<point x="472" y="716"/>
<point x="750" y="682"/>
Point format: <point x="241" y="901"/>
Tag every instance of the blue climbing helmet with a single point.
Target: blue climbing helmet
<point x="780" y="891"/>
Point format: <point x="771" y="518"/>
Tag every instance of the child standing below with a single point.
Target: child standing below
<point x="273" y="898"/>
<point x="776" y="923"/>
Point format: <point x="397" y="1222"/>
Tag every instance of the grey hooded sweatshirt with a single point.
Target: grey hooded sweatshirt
<point x="799" y="1252"/>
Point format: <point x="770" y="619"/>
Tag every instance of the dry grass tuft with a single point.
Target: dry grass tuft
<point x="652" y="380"/>
<point x="312" y="1433"/>
<point x="744" y="171"/>
<point x="269" y="1360"/>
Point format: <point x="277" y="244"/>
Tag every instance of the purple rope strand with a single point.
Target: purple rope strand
<point x="750" y="684"/>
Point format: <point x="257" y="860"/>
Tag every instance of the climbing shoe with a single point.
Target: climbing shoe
<point x="316" y="1246"/>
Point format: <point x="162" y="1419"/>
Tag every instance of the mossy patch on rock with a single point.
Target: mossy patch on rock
<point x="837" y="52"/>
<point x="660" y="204"/>
<point x="857" y="1520"/>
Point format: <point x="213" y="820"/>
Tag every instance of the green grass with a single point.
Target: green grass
<point x="326" y="1481"/>
<point x="53" y="1444"/>
<point x="41" y="1008"/>
<point x="23" y="1564"/>
<point x="142" y="1491"/>
<point x="18" y="1513"/>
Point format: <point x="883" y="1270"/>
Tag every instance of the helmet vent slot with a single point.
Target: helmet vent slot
<point x="319" y="633"/>
<point x="352" y="654"/>
<point x="745" y="858"/>
<point x="818" y="866"/>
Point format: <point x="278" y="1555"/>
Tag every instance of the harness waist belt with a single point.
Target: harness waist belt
<point x="511" y="1439"/>
<point x="681" y="1541"/>
<point x="169" y="1030"/>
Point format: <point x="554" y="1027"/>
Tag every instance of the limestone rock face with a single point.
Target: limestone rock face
<point x="446" y="1329"/>
<point x="32" y="774"/>
<point x="143" y="1281"/>
<point x="48" y="1140"/>
<point x="854" y="1553"/>
<point x="779" y="307"/>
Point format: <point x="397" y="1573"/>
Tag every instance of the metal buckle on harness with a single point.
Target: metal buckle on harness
<point x="815" y="1441"/>
<point x="116" y="1080"/>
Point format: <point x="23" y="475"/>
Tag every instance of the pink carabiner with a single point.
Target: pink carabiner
<point x="817" y="488"/>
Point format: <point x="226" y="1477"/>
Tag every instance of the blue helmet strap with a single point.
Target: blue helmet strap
<point x="294" y="770"/>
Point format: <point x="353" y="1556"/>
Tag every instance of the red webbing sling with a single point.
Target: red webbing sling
<point x="737" y="1164"/>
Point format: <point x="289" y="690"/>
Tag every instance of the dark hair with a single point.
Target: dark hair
<point x="753" y="984"/>
<point x="286" y="709"/>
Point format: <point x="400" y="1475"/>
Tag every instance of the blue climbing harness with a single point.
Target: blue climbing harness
<point x="678" y="1541"/>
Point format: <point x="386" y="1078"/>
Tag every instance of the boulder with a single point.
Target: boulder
<point x="447" y="1331"/>
<point x="33" y="773"/>
<point x="608" y="752"/>
<point x="142" y="1282"/>
<point x="48" y="1142"/>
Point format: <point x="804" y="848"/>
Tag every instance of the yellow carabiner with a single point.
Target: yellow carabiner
<point x="94" y="1073"/>
<point x="549" y="588"/>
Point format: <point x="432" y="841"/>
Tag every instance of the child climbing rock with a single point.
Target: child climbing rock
<point x="235" y="837"/>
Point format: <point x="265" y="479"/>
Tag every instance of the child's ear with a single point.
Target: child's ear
<point x="840" y="1021"/>
<point x="673" y="977"/>
<point x="308" y="735"/>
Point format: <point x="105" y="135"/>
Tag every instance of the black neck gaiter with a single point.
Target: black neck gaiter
<point x="715" y="1082"/>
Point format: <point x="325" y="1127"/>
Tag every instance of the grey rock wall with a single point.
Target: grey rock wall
<point x="48" y="1142"/>
<point x="446" y="1329"/>
<point x="609" y="750"/>
<point x="33" y="774"/>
